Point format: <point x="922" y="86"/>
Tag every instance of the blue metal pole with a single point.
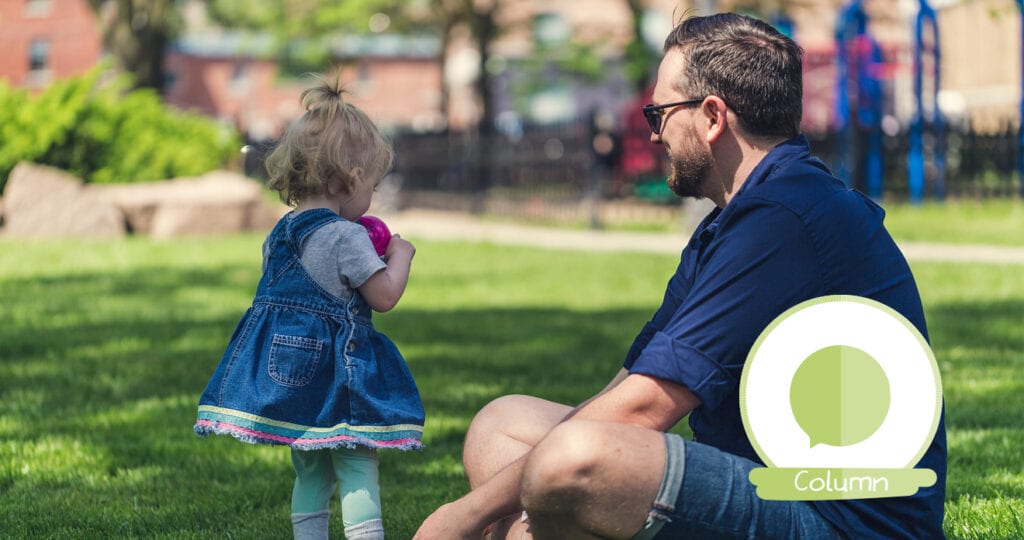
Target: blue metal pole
<point x="915" y="160"/>
<point x="852" y="24"/>
<point x="916" y="181"/>
<point x="842" y="104"/>
<point x="938" y="122"/>
<point x="871" y="117"/>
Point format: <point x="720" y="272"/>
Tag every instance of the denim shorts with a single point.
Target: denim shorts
<point x="706" y="493"/>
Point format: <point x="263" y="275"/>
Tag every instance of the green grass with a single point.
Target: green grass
<point x="105" y="347"/>
<point x="995" y="221"/>
<point x="998" y="222"/>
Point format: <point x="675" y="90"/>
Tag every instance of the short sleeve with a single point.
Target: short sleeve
<point x="340" y="256"/>
<point x="357" y="260"/>
<point x="759" y="263"/>
<point x="675" y="291"/>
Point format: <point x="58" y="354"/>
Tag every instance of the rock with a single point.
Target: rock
<point x="42" y="201"/>
<point x="218" y="202"/>
<point x="193" y="219"/>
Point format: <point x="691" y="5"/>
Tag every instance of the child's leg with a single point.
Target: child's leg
<point x="311" y="496"/>
<point x="356" y="470"/>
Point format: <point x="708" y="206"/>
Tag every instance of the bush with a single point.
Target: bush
<point x="99" y="131"/>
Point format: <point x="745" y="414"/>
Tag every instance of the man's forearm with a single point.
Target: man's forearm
<point x="496" y="498"/>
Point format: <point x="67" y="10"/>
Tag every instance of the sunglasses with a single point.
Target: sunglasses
<point x="656" y="113"/>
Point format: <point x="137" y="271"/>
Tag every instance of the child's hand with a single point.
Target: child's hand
<point x="399" y="246"/>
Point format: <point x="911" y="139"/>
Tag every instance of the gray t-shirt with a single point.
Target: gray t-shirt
<point x="340" y="257"/>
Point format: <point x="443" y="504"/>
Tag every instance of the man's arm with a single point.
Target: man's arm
<point x="638" y="400"/>
<point x="642" y="401"/>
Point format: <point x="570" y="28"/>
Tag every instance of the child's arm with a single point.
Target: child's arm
<point x="383" y="289"/>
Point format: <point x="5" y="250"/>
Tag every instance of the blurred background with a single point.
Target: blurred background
<point x="523" y="108"/>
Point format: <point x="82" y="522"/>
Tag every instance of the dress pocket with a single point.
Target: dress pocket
<point x="293" y="359"/>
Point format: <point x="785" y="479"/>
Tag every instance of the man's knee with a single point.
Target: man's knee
<point x="562" y="470"/>
<point x="495" y="415"/>
<point x="489" y="434"/>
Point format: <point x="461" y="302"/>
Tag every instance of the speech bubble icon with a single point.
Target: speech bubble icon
<point x="839" y="395"/>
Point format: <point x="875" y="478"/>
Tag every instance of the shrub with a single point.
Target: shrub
<point x="94" y="128"/>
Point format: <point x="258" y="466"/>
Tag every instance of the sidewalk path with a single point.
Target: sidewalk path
<point x="439" y="225"/>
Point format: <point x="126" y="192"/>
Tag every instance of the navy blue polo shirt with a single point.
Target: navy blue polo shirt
<point x="792" y="232"/>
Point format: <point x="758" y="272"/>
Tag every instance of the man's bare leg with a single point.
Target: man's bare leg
<point x="590" y="479"/>
<point x="505" y="430"/>
<point x="502" y="432"/>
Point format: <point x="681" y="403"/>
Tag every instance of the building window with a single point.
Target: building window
<point x="38" y="55"/>
<point x="240" y="78"/>
<point x="39" y="73"/>
<point x="38" y="8"/>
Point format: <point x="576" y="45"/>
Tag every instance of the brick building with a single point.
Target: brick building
<point x="233" y="77"/>
<point x="46" y="40"/>
<point x="398" y="80"/>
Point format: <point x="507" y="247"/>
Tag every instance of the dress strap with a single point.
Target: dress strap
<point x="303" y="224"/>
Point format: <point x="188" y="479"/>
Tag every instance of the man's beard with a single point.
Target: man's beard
<point x="690" y="168"/>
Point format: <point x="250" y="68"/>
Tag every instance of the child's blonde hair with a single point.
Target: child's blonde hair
<point x="329" y="149"/>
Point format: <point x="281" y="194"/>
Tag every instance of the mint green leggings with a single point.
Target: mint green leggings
<point x="356" y="473"/>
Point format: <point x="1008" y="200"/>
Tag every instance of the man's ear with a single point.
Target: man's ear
<point x="714" y="110"/>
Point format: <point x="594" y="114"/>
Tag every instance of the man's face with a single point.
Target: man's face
<point x="689" y="156"/>
<point x="691" y="162"/>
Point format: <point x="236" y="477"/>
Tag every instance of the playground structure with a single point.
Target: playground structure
<point x="872" y="114"/>
<point x="860" y="105"/>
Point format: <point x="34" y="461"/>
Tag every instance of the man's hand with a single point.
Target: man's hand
<point x="449" y="522"/>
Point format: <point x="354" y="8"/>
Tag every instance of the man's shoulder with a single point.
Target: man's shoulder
<point x="809" y="190"/>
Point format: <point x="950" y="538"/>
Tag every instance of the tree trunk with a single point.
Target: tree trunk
<point x="136" y="34"/>
<point x="484" y="31"/>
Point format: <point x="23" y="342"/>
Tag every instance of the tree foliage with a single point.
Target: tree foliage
<point x="302" y="29"/>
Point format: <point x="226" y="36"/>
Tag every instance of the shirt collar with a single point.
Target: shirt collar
<point x="794" y="148"/>
<point x="786" y="151"/>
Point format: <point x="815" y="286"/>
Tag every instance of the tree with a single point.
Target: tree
<point x="301" y="28"/>
<point x="136" y="33"/>
<point x="639" y="55"/>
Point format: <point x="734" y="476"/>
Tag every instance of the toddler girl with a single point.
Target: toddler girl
<point x="305" y="367"/>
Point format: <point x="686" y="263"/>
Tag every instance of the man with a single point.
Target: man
<point x="727" y="109"/>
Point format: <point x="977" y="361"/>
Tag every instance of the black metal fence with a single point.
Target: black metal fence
<point x="978" y="165"/>
<point x="561" y="172"/>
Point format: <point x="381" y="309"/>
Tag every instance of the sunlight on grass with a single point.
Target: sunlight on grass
<point x="52" y="458"/>
<point x="106" y="346"/>
<point x="446" y="466"/>
<point x="995" y="222"/>
<point x="974" y="518"/>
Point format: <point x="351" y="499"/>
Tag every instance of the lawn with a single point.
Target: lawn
<point x="106" y="346"/>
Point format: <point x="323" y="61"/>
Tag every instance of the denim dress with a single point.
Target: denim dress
<point x="307" y="369"/>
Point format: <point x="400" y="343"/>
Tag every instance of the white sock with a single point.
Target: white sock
<point x="368" y="530"/>
<point x="312" y="526"/>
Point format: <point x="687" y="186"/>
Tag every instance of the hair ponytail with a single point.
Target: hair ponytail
<point x="326" y="99"/>
<point x="331" y="148"/>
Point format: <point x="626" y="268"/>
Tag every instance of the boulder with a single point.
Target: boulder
<point x="219" y="202"/>
<point x="42" y="201"/>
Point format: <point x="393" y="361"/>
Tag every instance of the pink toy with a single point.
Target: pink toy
<point x="378" y="231"/>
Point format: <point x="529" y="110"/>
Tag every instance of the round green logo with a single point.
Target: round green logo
<point x="840" y="396"/>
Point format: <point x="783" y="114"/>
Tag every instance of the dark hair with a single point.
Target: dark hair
<point x="755" y="69"/>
